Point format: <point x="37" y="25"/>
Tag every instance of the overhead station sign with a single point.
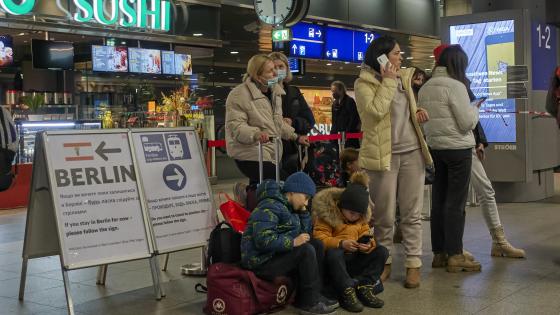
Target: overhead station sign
<point x="329" y="43"/>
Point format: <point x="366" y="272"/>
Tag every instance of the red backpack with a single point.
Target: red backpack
<point x="235" y="291"/>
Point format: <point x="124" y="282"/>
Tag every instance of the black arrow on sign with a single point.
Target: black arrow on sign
<point x="101" y="150"/>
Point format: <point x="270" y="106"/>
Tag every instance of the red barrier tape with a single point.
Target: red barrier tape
<point x="356" y="135"/>
<point x="216" y="143"/>
<point x="324" y="137"/>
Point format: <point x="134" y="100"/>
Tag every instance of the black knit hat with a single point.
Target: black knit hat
<point x="355" y="198"/>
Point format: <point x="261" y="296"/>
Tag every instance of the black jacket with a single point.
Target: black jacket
<point x="295" y="107"/>
<point x="479" y="135"/>
<point x="345" y="117"/>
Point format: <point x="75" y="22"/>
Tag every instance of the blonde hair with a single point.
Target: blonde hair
<point x="280" y="56"/>
<point x="255" y="66"/>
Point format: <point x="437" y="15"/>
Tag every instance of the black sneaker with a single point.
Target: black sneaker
<point x="367" y="297"/>
<point x="350" y="302"/>
<point x="317" y="308"/>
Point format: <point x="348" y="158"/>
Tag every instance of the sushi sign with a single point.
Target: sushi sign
<point x="145" y="14"/>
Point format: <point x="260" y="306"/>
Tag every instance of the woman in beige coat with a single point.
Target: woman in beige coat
<point x="253" y="115"/>
<point x="393" y="151"/>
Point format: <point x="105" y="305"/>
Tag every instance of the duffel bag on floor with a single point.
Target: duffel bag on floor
<point x="236" y="291"/>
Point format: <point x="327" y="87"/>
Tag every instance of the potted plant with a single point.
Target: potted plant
<point x="34" y="102"/>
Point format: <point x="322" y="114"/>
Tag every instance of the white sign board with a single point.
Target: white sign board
<point x="96" y="198"/>
<point x="176" y="187"/>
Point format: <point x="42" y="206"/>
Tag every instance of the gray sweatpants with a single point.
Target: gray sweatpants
<point x="405" y="183"/>
<point x="485" y="193"/>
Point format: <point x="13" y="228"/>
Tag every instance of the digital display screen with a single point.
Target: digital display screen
<point x="6" y="51"/>
<point x="339" y="44"/>
<point x="144" y="60"/>
<point x="183" y="64"/>
<point x="297" y="66"/>
<point x="168" y="62"/>
<point x="109" y="58"/>
<point x="52" y="55"/>
<point x="307" y="41"/>
<point x="490" y="47"/>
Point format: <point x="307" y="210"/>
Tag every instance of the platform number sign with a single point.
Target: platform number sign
<point x="543" y="53"/>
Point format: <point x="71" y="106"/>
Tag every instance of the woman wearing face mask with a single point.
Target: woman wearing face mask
<point x="253" y="115"/>
<point x="393" y="151"/>
<point x="295" y="111"/>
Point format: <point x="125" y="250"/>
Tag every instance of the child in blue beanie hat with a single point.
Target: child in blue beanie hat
<point x="276" y="241"/>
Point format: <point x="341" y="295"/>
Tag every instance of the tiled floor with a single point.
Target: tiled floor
<point x="505" y="286"/>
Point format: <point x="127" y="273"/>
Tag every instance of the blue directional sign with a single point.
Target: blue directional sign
<point x="308" y="40"/>
<point x="174" y="177"/>
<point x="361" y="44"/>
<point x="339" y="44"/>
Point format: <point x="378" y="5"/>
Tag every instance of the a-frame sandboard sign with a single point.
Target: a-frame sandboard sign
<point x="86" y="205"/>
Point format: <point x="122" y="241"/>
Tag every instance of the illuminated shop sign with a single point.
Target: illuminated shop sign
<point x="146" y="14"/>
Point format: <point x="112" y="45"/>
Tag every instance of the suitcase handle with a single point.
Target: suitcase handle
<point x="277" y="142"/>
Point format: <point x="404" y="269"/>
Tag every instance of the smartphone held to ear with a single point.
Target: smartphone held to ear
<point x="383" y="60"/>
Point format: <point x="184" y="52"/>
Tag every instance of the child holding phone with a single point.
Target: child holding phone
<point x="354" y="262"/>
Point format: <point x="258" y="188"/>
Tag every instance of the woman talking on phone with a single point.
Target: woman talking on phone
<point x="450" y="137"/>
<point x="393" y="150"/>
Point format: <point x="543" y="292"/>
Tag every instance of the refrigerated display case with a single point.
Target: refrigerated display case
<point x="28" y="129"/>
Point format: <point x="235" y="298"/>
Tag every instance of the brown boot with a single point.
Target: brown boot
<point x="412" y="278"/>
<point x="439" y="261"/>
<point x="501" y="247"/>
<point x="458" y="263"/>
<point x="386" y="273"/>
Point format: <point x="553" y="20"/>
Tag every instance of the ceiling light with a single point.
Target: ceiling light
<point x="234" y="52"/>
<point x="346" y="62"/>
<point x="197" y="34"/>
<point x="427" y="69"/>
<point x="358" y="66"/>
<point x="21" y="34"/>
<point x="432" y="56"/>
<point x="409" y="58"/>
<point x="403" y="67"/>
<point x="225" y="72"/>
<point x="329" y="64"/>
<point x="402" y="52"/>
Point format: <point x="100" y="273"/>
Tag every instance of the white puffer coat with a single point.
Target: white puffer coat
<point x="452" y="117"/>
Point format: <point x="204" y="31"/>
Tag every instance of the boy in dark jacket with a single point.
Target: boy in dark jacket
<point x="276" y="240"/>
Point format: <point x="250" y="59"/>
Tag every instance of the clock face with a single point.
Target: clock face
<point x="274" y="11"/>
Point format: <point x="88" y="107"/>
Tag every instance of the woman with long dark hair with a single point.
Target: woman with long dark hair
<point x="393" y="151"/>
<point x="449" y="134"/>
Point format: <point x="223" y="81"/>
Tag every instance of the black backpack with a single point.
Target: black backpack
<point x="224" y="245"/>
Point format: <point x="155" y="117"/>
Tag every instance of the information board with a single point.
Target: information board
<point x="144" y="60"/>
<point x="96" y="198"/>
<point x="362" y="40"/>
<point x="543" y="54"/>
<point x="308" y="40"/>
<point x="176" y="186"/>
<point x="490" y="48"/>
<point x="109" y="58"/>
<point x="339" y="44"/>
<point x="168" y="62"/>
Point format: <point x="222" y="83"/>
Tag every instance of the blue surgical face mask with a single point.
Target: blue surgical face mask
<point x="281" y="75"/>
<point x="272" y="82"/>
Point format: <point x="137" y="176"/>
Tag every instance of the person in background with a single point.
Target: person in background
<point x="295" y="111"/>
<point x="418" y="79"/>
<point x="345" y="115"/>
<point x="449" y="134"/>
<point x="253" y="115"/>
<point x="276" y="241"/>
<point x="8" y="147"/>
<point x="354" y="262"/>
<point x="553" y="96"/>
<point x="349" y="165"/>
<point x="393" y="151"/>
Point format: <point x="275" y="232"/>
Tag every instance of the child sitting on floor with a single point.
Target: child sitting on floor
<point x="353" y="261"/>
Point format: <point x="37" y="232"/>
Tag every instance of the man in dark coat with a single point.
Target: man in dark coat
<point x="345" y="115"/>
